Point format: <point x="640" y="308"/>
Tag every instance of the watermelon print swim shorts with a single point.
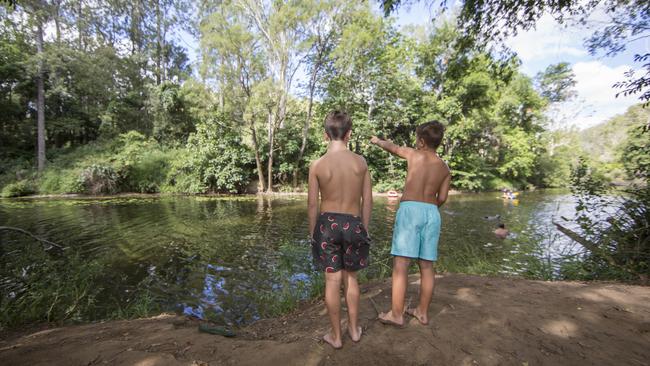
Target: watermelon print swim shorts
<point x="340" y="241"/>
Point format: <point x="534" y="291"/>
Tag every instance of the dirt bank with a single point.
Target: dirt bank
<point x="475" y="321"/>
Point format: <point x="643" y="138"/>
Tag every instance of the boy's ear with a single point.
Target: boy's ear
<point x="347" y="136"/>
<point x="326" y="136"/>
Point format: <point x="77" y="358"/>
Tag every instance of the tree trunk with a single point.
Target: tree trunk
<point x="79" y="26"/>
<point x="593" y="248"/>
<point x="258" y="160"/>
<point x="269" y="172"/>
<point x="40" y="103"/>
<point x="57" y="20"/>
<point x="305" y="128"/>
<point x="159" y="44"/>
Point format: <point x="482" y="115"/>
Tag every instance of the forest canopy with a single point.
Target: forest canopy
<point x="124" y="110"/>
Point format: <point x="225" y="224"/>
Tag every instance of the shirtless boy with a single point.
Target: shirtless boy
<point x="417" y="224"/>
<point x="340" y="241"/>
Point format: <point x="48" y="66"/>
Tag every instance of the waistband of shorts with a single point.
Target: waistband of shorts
<point x="425" y="205"/>
<point x="339" y="214"/>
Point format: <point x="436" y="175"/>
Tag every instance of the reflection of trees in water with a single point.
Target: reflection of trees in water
<point x="235" y="259"/>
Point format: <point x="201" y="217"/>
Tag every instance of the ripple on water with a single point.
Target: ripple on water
<point x="235" y="260"/>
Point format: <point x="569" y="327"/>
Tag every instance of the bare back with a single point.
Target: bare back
<point x="425" y="177"/>
<point x="341" y="176"/>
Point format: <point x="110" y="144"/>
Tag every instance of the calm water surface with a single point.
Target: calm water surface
<point x="235" y="259"/>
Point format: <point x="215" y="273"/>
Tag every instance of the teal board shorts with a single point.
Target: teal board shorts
<point x="416" y="231"/>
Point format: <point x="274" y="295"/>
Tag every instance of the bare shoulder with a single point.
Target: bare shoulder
<point x="313" y="166"/>
<point x="444" y="167"/>
<point x="361" y="160"/>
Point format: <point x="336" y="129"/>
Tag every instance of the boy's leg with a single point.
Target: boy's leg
<point x="333" y="303"/>
<point x="352" y="300"/>
<point x="427" y="283"/>
<point x="400" y="283"/>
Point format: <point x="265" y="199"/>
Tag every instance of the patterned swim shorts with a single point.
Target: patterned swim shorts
<point x="340" y="241"/>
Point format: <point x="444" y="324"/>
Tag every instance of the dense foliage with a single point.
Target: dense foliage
<point x="123" y="113"/>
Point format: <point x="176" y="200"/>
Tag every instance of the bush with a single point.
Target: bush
<point x="216" y="160"/>
<point x="98" y="179"/>
<point x="142" y="164"/>
<point x="614" y="229"/>
<point x="150" y="172"/>
<point x="55" y="181"/>
<point x="18" y="189"/>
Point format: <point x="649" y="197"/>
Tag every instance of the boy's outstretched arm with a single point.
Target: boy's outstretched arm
<point x="366" y="207"/>
<point x="401" y="151"/>
<point x="444" y="191"/>
<point x="312" y="198"/>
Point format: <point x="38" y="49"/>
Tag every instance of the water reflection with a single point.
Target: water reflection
<point x="236" y="259"/>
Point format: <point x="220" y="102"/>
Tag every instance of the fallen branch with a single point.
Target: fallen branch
<point x="10" y="228"/>
<point x="591" y="246"/>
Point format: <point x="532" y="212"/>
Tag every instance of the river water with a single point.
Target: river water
<point x="236" y="259"/>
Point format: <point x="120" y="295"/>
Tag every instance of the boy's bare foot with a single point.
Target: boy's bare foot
<point x="355" y="335"/>
<point x="389" y="319"/>
<point x="329" y="338"/>
<point x="422" y="318"/>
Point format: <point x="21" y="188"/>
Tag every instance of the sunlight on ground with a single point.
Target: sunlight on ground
<point x="607" y="295"/>
<point x="466" y="294"/>
<point x="560" y="328"/>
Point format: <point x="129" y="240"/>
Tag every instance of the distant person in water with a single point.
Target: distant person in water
<point x="340" y="241"/>
<point x="501" y="232"/>
<point x="417" y="223"/>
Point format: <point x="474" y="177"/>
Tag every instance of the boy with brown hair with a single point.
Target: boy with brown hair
<point x="417" y="224"/>
<point x="340" y="242"/>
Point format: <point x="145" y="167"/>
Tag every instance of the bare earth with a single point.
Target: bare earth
<point x="474" y="321"/>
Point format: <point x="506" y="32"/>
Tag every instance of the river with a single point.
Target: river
<point x="236" y="259"/>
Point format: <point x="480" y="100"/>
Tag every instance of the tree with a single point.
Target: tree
<point x="282" y="28"/>
<point x="557" y="82"/>
<point x="231" y="55"/>
<point x="324" y="32"/>
<point x="38" y="13"/>
<point x="629" y="21"/>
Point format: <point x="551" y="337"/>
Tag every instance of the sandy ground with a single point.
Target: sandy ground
<point x="474" y="321"/>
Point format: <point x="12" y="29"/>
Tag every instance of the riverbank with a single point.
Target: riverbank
<point x="150" y="195"/>
<point x="474" y="321"/>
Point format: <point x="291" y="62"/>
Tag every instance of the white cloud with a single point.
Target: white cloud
<point x="597" y="97"/>
<point x="549" y="40"/>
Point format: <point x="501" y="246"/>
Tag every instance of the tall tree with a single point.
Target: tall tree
<point x="283" y="31"/>
<point x="231" y="55"/>
<point x="40" y="87"/>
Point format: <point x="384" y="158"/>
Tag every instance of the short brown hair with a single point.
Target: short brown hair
<point x="337" y="124"/>
<point x="431" y="133"/>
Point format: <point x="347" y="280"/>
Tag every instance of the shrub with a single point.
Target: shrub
<point x="216" y="160"/>
<point x="55" y="181"/>
<point x="141" y="164"/>
<point x="18" y="189"/>
<point x="98" y="179"/>
<point x="614" y="229"/>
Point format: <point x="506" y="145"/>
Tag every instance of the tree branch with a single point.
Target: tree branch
<point x="9" y="228"/>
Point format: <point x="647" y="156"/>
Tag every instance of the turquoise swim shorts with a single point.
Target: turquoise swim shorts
<point x="416" y="231"/>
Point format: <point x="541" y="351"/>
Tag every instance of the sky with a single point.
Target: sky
<point x="550" y="43"/>
<point x="547" y="44"/>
